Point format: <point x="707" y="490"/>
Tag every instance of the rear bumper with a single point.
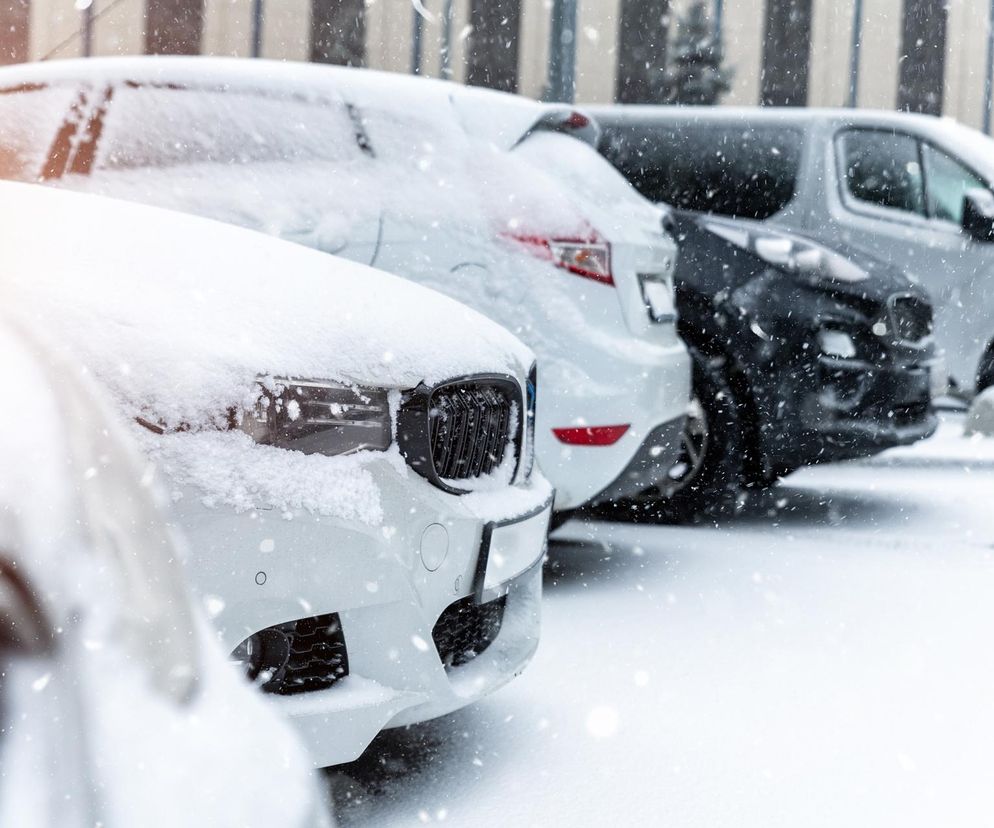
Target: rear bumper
<point x="648" y="394"/>
<point x="651" y="462"/>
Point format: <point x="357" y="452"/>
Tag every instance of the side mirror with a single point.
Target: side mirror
<point x="978" y="215"/>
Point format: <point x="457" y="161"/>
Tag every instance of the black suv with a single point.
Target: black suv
<point x="803" y="353"/>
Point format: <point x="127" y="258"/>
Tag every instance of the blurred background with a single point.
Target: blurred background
<point x="929" y="56"/>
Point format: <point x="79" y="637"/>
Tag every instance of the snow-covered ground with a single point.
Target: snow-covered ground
<point x="826" y="658"/>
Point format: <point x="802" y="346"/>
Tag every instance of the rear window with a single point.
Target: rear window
<point x="151" y="126"/>
<point x="730" y="169"/>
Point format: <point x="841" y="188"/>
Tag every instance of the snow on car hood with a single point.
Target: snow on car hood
<point x="178" y="315"/>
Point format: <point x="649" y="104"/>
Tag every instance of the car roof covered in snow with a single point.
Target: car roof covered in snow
<point x="179" y="315"/>
<point x="499" y="117"/>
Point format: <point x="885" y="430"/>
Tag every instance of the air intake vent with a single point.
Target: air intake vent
<point x="466" y="629"/>
<point x="297" y="657"/>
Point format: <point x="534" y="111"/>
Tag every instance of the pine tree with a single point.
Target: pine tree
<point x="696" y="74"/>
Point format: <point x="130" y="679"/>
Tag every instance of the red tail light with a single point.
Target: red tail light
<point x="589" y="258"/>
<point x="576" y="120"/>
<point x="591" y="435"/>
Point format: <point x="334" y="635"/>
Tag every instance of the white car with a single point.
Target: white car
<point x="500" y="202"/>
<point x="348" y="453"/>
<point x="119" y="708"/>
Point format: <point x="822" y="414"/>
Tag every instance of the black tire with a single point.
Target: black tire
<point x="558" y="519"/>
<point x="985" y="375"/>
<point x="707" y="480"/>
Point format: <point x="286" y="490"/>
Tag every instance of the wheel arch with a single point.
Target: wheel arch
<point x="985" y="369"/>
<point x="701" y="328"/>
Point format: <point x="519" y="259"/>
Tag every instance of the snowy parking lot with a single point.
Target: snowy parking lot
<point x="824" y="658"/>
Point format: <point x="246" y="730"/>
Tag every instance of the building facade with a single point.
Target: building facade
<point x="922" y="55"/>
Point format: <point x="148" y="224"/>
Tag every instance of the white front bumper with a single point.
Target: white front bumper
<point x="257" y="569"/>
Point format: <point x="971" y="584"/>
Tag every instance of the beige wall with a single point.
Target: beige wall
<point x="389" y="27"/>
<point x="534" y="46"/>
<point x="828" y="73"/>
<point x="966" y="51"/>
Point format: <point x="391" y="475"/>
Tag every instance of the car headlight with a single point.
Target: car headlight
<point x="317" y="417"/>
<point x="531" y="395"/>
<point x="792" y="254"/>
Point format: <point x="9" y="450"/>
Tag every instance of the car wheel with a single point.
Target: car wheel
<point x="558" y="519"/>
<point x="985" y="376"/>
<point x="707" y="477"/>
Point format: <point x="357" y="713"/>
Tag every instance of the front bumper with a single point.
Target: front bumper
<point x="261" y="568"/>
<point x="854" y="408"/>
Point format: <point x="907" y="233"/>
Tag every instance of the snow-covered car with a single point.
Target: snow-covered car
<point x="498" y="201"/>
<point x="118" y="705"/>
<point x="349" y="453"/>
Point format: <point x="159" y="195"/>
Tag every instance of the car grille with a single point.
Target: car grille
<point x="466" y="629"/>
<point x="469" y="431"/>
<point x="460" y="431"/>
<point x="910" y="318"/>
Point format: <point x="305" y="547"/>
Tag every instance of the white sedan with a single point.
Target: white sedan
<point x="349" y="453"/>
<point x="119" y="708"/>
<point x="498" y="201"/>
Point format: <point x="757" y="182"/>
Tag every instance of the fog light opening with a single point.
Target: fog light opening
<point x="263" y="656"/>
<point x="836" y="344"/>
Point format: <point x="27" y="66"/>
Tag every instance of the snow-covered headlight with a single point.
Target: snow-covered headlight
<point x="317" y="417"/>
<point x="792" y="254"/>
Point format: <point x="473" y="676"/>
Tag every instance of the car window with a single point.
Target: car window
<point x="733" y="169"/>
<point x="946" y="182"/>
<point x="31" y="118"/>
<point x="883" y="169"/>
<point x="148" y="126"/>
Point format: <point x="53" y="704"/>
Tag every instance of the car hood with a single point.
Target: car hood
<point x="179" y="315"/>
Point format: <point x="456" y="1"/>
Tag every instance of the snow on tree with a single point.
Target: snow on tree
<point x="695" y="74"/>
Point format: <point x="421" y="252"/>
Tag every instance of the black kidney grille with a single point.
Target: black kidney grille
<point x="317" y="657"/>
<point x="466" y="629"/>
<point x="469" y="430"/>
<point x="910" y="318"/>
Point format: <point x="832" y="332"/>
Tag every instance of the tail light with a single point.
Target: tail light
<point x="589" y="258"/>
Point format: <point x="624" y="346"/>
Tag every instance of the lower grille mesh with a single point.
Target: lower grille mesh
<point x="317" y="655"/>
<point x="467" y="629"/>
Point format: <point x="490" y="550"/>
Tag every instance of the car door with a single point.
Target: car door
<point x="901" y="198"/>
